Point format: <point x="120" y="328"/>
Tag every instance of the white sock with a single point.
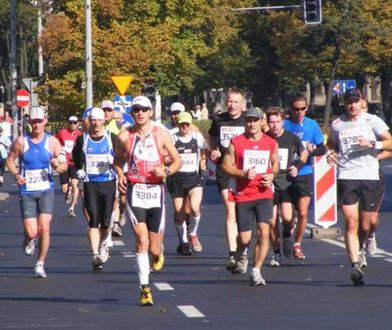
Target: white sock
<point x="195" y="225"/>
<point x="181" y="230"/>
<point x="143" y="268"/>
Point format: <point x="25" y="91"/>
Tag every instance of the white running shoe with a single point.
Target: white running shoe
<point x="123" y="219"/>
<point x="256" y="278"/>
<point x="39" y="271"/>
<point x="109" y="241"/>
<point x="97" y="262"/>
<point x="71" y="212"/>
<point x="371" y="245"/>
<point x="276" y="260"/>
<point x="29" y="246"/>
<point x="103" y="252"/>
<point x="116" y="230"/>
<point x="362" y="259"/>
<point x="242" y="264"/>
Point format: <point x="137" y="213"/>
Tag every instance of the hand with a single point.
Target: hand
<point x="159" y="171"/>
<point x="81" y="174"/>
<point x="215" y="155"/>
<point x="293" y="171"/>
<point x="309" y="147"/>
<point x="20" y="180"/>
<point x="122" y="184"/>
<point x="61" y="157"/>
<point x="332" y="158"/>
<point x="364" y="143"/>
<point x="251" y="173"/>
<point x="267" y="179"/>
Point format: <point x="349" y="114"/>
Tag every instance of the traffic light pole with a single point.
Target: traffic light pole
<point x="267" y="8"/>
<point x="14" y="74"/>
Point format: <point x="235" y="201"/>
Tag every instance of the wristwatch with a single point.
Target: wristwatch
<point x="167" y="170"/>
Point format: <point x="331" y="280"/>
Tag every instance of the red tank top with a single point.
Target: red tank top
<point x="67" y="139"/>
<point x="144" y="157"/>
<point x="249" y="153"/>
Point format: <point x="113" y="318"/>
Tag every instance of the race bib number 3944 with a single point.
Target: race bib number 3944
<point x="146" y="196"/>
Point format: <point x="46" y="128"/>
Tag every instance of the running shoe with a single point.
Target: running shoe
<point x="242" y="264"/>
<point x="68" y="198"/>
<point x="256" y="278"/>
<point x="157" y="262"/>
<point x="29" y="246"/>
<point x="146" y="297"/>
<point x="109" y="241"/>
<point x="362" y="259"/>
<point x="231" y="264"/>
<point x="276" y="260"/>
<point x="71" y="212"/>
<point x="123" y="219"/>
<point x="196" y="245"/>
<point x="357" y="276"/>
<point x="371" y="245"/>
<point x="103" y="252"/>
<point x="116" y="230"/>
<point x="298" y="254"/>
<point x="287" y="247"/>
<point x="97" y="262"/>
<point x="39" y="271"/>
<point x="184" y="249"/>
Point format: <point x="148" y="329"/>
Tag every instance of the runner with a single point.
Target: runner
<point x="38" y="155"/>
<point x="292" y="156"/>
<point x="69" y="180"/>
<point x="252" y="158"/>
<point x="353" y="135"/>
<point x="302" y="185"/>
<point x="223" y="127"/>
<point x="187" y="184"/>
<point x="93" y="157"/>
<point x="142" y="147"/>
<point x="5" y="144"/>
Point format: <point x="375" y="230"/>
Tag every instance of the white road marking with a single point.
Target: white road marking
<point x="190" y="311"/>
<point x="118" y="243"/>
<point x="128" y="254"/>
<point x="163" y="286"/>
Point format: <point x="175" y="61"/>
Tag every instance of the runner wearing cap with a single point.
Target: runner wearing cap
<point x="69" y="180"/>
<point x="143" y="147"/>
<point x="93" y="157"/>
<point x="224" y="127"/>
<point x="187" y="184"/>
<point x="252" y="159"/>
<point x="38" y="155"/>
<point x="355" y="139"/>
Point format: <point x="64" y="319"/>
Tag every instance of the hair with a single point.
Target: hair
<point x="275" y="111"/>
<point x="298" y="97"/>
<point x="235" y="90"/>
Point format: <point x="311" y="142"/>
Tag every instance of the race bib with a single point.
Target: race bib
<point x="349" y="138"/>
<point x="37" y="180"/>
<point x="256" y="158"/>
<point x="97" y="164"/>
<point x="146" y="196"/>
<point x="228" y="132"/>
<point x="189" y="162"/>
<point x="283" y="158"/>
<point x="68" y="146"/>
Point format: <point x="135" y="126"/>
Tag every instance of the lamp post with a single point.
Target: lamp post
<point x="89" y="56"/>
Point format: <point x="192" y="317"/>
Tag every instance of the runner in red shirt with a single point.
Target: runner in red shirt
<point x="69" y="180"/>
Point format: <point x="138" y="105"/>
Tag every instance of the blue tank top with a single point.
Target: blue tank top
<point x="98" y="158"/>
<point x="35" y="166"/>
<point x="307" y="131"/>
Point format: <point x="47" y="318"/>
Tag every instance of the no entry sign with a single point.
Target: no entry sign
<point x="22" y="98"/>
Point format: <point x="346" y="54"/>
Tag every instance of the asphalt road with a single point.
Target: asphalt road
<point x="191" y="292"/>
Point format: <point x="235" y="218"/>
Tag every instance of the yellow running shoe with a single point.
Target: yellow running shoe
<point x="146" y="297"/>
<point x="157" y="262"/>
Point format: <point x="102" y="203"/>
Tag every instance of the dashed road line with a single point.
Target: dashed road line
<point x="190" y="311"/>
<point x="163" y="286"/>
<point x="118" y="243"/>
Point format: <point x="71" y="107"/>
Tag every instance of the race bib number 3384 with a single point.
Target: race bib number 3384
<point x="146" y="196"/>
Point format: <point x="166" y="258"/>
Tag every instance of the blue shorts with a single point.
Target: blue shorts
<point x="31" y="205"/>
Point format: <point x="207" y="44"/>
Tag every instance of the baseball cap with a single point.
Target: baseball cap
<point x="184" y="117"/>
<point x="177" y="106"/>
<point x="352" y="94"/>
<point x="254" y="112"/>
<point x="37" y="113"/>
<point x="107" y="104"/>
<point x="97" y="113"/>
<point x="142" y="101"/>
<point x="73" y="118"/>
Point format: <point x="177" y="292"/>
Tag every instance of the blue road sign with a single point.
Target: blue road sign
<point x="341" y="86"/>
<point x="123" y="103"/>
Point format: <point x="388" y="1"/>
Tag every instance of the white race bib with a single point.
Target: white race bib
<point x="68" y="146"/>
<point x="37" y="180"/>
<point x="146" y="196"/>
<point x="97" y="164"/>
<point x="349" y="138"/>
<point x="283" y="158"/>
<point x="256" y="158"/>
<point x="228" y="132"/>
<point x="189" y="163"/>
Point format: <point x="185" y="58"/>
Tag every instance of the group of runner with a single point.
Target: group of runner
<point x="263" y="169"/>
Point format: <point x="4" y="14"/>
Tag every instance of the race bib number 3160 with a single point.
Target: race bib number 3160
<point x="146" y="196"/>
<point x="257" y="159"/>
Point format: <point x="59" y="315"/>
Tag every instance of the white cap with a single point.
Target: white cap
<point x="107" y="104"/>
<point x="177" y="106"/>
<point x="97" y="113"/>
<point x="73" y="118"/>
<point x="142" y="101"/>
<point x="37" y="113"/>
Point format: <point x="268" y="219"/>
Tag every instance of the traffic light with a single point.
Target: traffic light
<point x="149" y="90"/>
<point x="312" y="11"/>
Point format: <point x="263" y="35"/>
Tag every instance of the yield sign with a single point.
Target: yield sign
<point x="22" y="98"/>
<point x="122" y="83"/>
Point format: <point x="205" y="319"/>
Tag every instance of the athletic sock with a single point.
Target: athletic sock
<point x="143" y="268"/>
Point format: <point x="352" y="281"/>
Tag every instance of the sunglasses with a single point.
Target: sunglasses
<point x="300" y="109"/>
<point x="37" y="121"/>
<point x="73" y="122"/>
<point x="184" y="124"/>
<point x="175" y="113"/>
<point x="107" y="110"/>
<point x="137" y="110"/>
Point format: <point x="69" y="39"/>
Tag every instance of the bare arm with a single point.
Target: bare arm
<point x="58" y="164"/>
<point x="268" y="178"/>
<point x="167" y="144"/>
<point x="13" y="155"/>
<point x="120" y="157"/>
<point x="228" y="164"/>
